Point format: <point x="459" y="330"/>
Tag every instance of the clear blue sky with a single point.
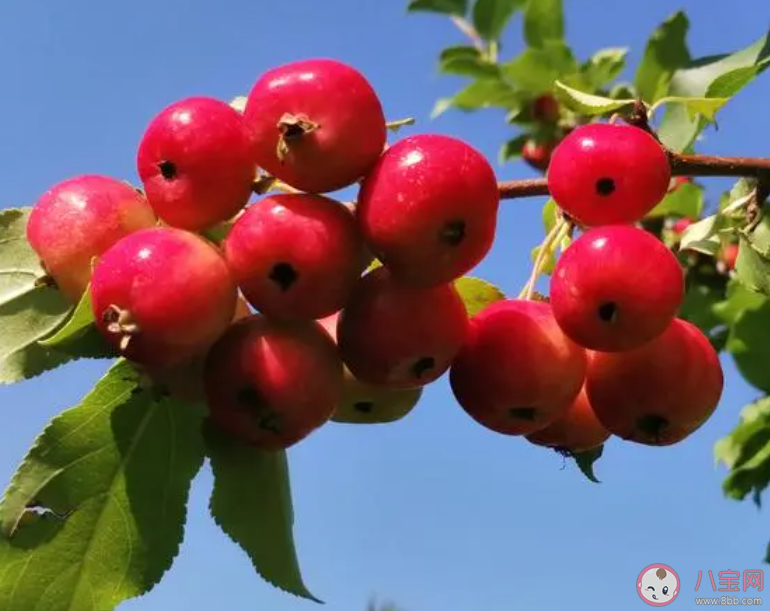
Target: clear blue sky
<point x="434" y="512"/>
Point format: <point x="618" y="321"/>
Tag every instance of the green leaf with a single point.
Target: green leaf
<point x="686" y="200"/>
<point x="738" y="299"/>
<point x="710" y="78"/>
<point x="603" y="67"/>
<point x="751" y="268"/>
<point x="482" y="93"/>
<point x="251" y="503"/>
<point x="698" y="306"/>
<point x="543" y="21"/>
<point x="666" y="52"/>
<point x="534" y="70"/>
<point x="466" y="61"/>
<point x="746" y="452"/>
<point x="78" y="323"/>
<point x="511" y="150"/>
<point x="703" y="236"/>
<point x="28" y="312"/>
<point x="477" y="293"/>
<point x="695" y="107"/>
<point x="749" y="343"/>
<point x="449" y="7"/>
<point x="550" y="214"/>
<point x="96" y="511"/>
<point x="587" y="103"/>
<point x="491" y="16"/>
<point x="585" y="461"/>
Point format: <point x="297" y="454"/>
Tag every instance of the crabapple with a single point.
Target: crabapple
<point x="660" y="393"/>
<point x="603" y="174"/>
<point x="517" y="372"/>
<point x="295" y="256"/>
<point x="577" y="430"/>
<point x="729" y="256"/>
<point x="317" y="124"/>
<point x="363" y="403"/>
<point x="399" y="336"/>
<point x="77" y="220"/>
<point x="196" y="162"/>
<point x="679" y="225"/>
<point x="428" y="209"/>
<point x="162" y="296"/>
<point x="537" y="154"/>
<point x="271" y="383"/>
<point x="615" y="288"/>
<point x="545" y="108"/>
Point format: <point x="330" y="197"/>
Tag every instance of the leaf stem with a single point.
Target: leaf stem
<point x="557" y="233"/>
<point x="467" y="28"/>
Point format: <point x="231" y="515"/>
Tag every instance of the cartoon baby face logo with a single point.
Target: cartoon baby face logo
<point x="658" y="585"/>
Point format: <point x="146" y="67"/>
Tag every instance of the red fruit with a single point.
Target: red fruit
<point x="545" y="109"/>
<point x="80" y="218"/>
<point x="680" y="225"/>
<point x="615" y="288"/>
<point x="729" y="256"/>
<point x="537" y="154"/>
<point x="660" y="393"/>
<point x="517" y="372"/>
<point x="271" y="383"/>
<point x="397" y="336"/>
<point x="162" y="296"/>
<point x="317" y="124"/>
<point x="603" y="174"/>
<point x="577" y="430"/>
<point x="429" y="208"/>
<point x="196" y="163"/>
<point x="295" y="256"/>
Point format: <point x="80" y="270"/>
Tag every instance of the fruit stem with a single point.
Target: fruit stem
<point x="557" y="233"/>
<point x="394" y="126"/>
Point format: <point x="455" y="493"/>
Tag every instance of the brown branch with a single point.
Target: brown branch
<point x="681" y="165"/>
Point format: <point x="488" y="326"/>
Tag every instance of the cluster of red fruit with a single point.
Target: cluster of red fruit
<point x="295" y="326"/>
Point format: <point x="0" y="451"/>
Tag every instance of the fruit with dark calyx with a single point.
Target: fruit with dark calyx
<point x="295" y="256"/>
<point x="363" y="403"/>
<point x="517" y="372"/>
<point x="577" y="430"/>
<point x="398" y="336"/>
<point x="603" y="174"/>
<point x="271" y="383"/>
<point x="77" y="220"/>
<point x="658" y="394"/>
<point x="162" y="296"/>
<point x="615" y="288"/>
<point x="428" y="210"/>
<point x="196" y="163"/>
<point x="317" y="124"/>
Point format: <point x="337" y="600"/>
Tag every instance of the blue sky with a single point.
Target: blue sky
<point x="434" y="512"/>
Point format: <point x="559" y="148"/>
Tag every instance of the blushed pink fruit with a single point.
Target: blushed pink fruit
<point x="428" y="210"/>
<point x="397" y="336"/>
<point x="680" y="225"/>
<point x="271" y="383"/>
<point x="660" y="393"/>
<point x="295" y="256"/>
<point x="517" y="372"/>
<point x="615" y="288"/>
<point x="317" y="124"/>
<point x="80" y="218"/>
<point x="604" y="174"/>
<point x="162" y="296"/>
<point x="196" y="163"/>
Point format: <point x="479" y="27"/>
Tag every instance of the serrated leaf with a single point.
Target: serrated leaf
<point x="449" y="7"/>
<point x="686" y="200"/>
<point x="482" y="93"/>
<point x="746" y="452"/>
<point x="695" y="107"/>
<point x="491" y="16"/>
<point x="588" y="103"/>
<point x="708" y="77"/>
<point x="543" y="21"/>
<point x="511" y="150"/>
<point x="752" y="269"/>
<point x="28" y="313"/>
<point x="737" y="299"/>
<point x="96" y="511"/>
<point x="239" y="103"/>
<point x="603" y="67"/>
<point x="77" y="324"/>
<point x="466" y="61"/>
<point x="477" y="293"/>
<point x="666" y="52"/>
<point x="534" y="70"/>
<point x="749" y="343"/>
<point x="585" y="462"/>
<point x="251" y="503"/>
<point x="703" y="235"/>
<point x="742" y="189"/>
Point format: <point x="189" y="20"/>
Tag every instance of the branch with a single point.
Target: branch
<point x="681" y="165"/>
